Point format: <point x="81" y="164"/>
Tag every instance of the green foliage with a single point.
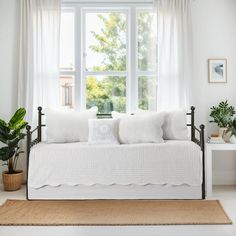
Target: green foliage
<point x="109" y="93"/>
<point x="11" y="134"/>
<point x="222" y="114"/>
<point x="111" y="42"/>
<point x="232" y="127"/>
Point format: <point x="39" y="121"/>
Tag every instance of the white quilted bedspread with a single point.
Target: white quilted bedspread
<point x="172" y="162"/>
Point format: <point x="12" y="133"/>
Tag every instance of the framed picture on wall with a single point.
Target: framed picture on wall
<point x="217" y="70"/>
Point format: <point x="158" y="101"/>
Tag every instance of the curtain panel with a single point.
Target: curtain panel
<point x="174" y="53"/>
<point x="38" y="83"/>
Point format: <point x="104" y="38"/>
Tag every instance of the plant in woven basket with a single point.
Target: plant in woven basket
<point x="222" y="114"/>
<point x="10" y="135"/>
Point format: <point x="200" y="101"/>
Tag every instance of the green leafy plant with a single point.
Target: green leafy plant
<point x="222" y="114"/>
<point x="11" y="134"/>
<point x="232" y="127"/>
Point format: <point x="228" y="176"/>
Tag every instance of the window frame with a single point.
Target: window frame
<point x="103" y="73"/>
<point x="131" y="73"/>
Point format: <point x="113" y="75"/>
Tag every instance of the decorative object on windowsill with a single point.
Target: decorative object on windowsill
<point x="11" y="135"/>
<point x="222" y="116"/>
<point x="232" y="130"/>
<point x="217" y="70"/>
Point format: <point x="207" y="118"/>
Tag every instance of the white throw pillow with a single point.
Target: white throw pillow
<point x="68" y="126"/>
<point x="103" y="131"/>
<point x="118" y="115"/>
<point x="141" y="129"/>
<point x="175" y="124"/>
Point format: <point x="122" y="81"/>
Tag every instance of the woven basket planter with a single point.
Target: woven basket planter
<point x="12" y="182"/>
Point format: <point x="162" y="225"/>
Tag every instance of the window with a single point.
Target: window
<point x="108" y="58"/>
<point x="147" y="60"/>
<point x="105" y="59"/>
<point x="67" y="59"/>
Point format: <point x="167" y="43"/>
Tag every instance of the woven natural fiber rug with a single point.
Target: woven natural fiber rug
<point x="112" y="212"/>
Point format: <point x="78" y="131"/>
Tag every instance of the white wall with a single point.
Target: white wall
<point x="214" y="36"/>
<point x="9" y="40"/>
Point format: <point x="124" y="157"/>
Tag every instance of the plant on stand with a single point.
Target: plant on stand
<point x="10" y="135"/>
<point x="232" y="130"/>
<point x="222" y="116"/>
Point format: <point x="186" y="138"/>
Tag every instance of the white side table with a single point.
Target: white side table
<point x="209" y="149"/>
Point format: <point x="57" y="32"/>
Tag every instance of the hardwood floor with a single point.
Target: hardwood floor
<point x="226" y="194"/>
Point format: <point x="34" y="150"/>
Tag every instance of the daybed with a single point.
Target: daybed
<point x="170" y="170"/>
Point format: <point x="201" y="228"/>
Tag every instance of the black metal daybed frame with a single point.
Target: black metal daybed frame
<point x="199" y="141"/>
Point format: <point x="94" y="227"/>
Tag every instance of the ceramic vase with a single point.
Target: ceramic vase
<point x="232" y="139"/>
<point x="224" y="135"/>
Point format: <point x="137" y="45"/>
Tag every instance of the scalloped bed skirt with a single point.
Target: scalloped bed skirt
<point x="150" y="191"/>
<point x="173" y="162"/>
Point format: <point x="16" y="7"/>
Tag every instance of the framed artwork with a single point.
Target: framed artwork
<point x="217" y="70"/>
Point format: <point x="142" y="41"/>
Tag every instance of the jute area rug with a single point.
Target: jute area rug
<point x="112" y="212"/>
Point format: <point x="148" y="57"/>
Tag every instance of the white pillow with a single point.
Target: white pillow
<point x="103" y="131"/>
<point x="175" y="124"/>
<point x="141" y="129"/>
<point x="68" y="126"/>
<point x="118" y="115"/>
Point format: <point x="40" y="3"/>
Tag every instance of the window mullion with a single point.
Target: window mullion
<point x="133" y="85"/>
<point x="83" y="58"/>
<point x="105" y="73"/>
<point x="78" y="62"/>
<point x="147" y="73"/>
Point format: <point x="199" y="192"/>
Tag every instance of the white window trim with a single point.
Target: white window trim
<point x="107" y="3"/>
<point x="132" y="73"/>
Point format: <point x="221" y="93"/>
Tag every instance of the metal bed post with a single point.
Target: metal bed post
<point x="29" y="139"/>
<point x="202" y="127"/>
<point x="192" y="123"/>
<point x="39" y="124"/>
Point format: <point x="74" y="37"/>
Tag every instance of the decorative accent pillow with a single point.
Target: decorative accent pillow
<point x="141" y="129"/>
<point x="175" y="124"/>
<point x="118" y="115"/>
<point x="103" y="131"/>
<point x="64" y="126"/>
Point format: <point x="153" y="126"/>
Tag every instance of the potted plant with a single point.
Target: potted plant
<point x="232" y="130"/>
<point x="10" y="135"/>
<point x="222" y="115"/>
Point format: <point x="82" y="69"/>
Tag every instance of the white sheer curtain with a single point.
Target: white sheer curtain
<point x="175" y="53"/>
<point x="39" y="55"/>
